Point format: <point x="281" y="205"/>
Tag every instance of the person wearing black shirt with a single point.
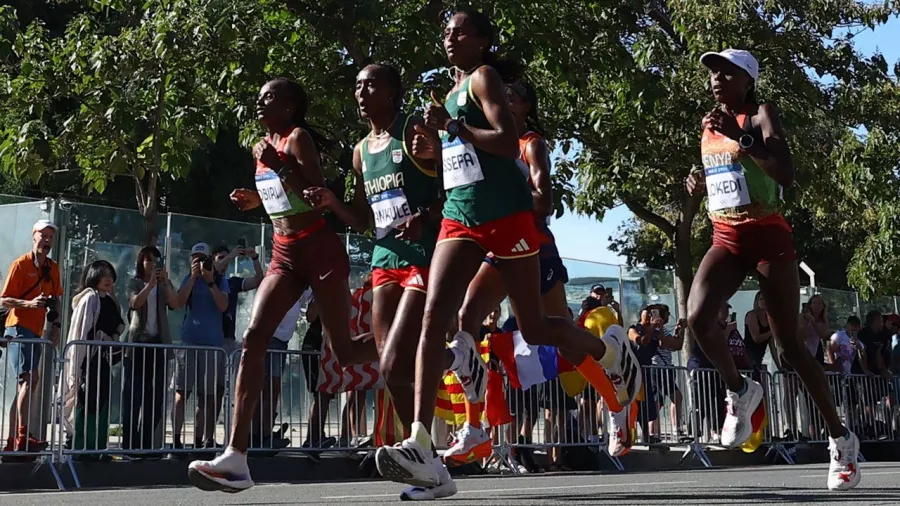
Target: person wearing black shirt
<point x="877" y="341"/>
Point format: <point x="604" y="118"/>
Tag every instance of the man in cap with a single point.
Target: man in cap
<point x="204" y="295"/>
<point x="31" y="294"/>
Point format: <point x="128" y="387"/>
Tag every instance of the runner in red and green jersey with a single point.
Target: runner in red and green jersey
<point x="305" y="254"/>
<point x="488" y="209"/>
<point x="746" y="162"/>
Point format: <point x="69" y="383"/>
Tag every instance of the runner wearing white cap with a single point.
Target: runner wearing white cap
<point x="746" y="163"/>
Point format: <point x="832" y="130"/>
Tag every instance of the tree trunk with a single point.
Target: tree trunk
<point x="684" y="269"/>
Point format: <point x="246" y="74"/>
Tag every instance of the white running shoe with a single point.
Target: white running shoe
<point x="408" y="463"/>
<point x="622" y="366"/>
<point x="843" y="472"/>
<point x="472" y="372"/>
<point x="620" y="432"/>
<point x="446" y="487"/>
<point x="471" y="444"/>
<point x="739" y="410"/>
<point x="227" y="472"/>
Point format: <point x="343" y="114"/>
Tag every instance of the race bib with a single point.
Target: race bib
<point x="726" y="187"/>
<point x="272" y="193"/>
<point x="391" y="209"/>
<point x="461" y="165"/>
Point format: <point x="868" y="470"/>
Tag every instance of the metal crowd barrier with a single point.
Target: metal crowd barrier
<point x="20" y="355"/>
<point x="297" y="414"/>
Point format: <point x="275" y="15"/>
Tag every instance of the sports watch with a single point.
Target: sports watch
<point x="453" y="128"/>
<point x="746" y="141"/>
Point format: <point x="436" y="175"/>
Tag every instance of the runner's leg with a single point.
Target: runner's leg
<point x="780" y="281"/>
<point x="398" y="356"/>
<point x="275" y="296"/>
<point x="718" y="278"/>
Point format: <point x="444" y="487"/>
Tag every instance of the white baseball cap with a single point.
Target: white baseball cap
<point x="44" y="224"/>
<point x="738" y="57"/>
<point x="201" y="248"/>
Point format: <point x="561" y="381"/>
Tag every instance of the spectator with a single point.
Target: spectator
<point x="877" y="341"/>
<point x="236" y="285"/>
<point x="843" y="348"/>
<point x="95" y="317"/>
<point x="668" y="384"/>
<point x="205" y="295"/>
<point x="757" y="331"/>
<point x="150" y="297"/>
<point x="648" y="336"/>
<point x="31" y="293"/>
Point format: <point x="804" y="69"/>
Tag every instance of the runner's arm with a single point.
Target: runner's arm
<point x="538" y="156"/>
<point x="773" y="155"/>
<point x="502" y="139"/>
<point x="302" y="162"/>
<point x="357" y="215"/>
<point x="437" y="207"/>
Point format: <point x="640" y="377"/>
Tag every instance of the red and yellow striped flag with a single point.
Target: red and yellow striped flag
<point x="450" y="404"/>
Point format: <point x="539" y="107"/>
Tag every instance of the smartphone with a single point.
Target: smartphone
<point x="242" y="243"/>
<point x="654" y="313"/>
<point x="732" y="317"/>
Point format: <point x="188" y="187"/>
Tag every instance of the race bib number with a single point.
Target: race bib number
<point x="461" y="165"/>
<point x="272" y="193"/>
<point x="391" y="209"/>
<point x="726" y="187"/>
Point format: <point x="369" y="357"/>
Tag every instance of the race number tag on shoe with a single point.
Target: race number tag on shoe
<point x="461" y="165"/>
<point x="726" y="187"/>
<point x="272" y="193"/>
<point x="390" y="209"/>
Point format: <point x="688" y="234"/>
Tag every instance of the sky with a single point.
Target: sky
<point x="583" y="238"/>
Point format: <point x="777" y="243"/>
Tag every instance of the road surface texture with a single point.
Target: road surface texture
<point x="733" y="486"/>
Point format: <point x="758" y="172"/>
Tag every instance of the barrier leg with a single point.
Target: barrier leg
<point x="72" y="470"/>
<point x="59" y="482"/>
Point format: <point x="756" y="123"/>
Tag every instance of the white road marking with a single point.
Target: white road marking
<point x="864" y="473"/>
<point x="532" y="489"/>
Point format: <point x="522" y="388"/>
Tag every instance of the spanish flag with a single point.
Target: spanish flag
<point x="450" y="404"/>
<point x="388" y="429"/>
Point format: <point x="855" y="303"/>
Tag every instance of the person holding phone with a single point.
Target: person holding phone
<point x="150" y="297"/>
<point x="649" y="335"/>
<point x="236" y="285"/>
<point x="205" y="295"/>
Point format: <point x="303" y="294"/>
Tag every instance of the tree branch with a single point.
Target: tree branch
<point x="650" y="217"/>
<point x="665" y="24"/>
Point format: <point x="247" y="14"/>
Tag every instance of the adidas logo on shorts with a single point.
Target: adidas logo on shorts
<point x="521" y="247"/>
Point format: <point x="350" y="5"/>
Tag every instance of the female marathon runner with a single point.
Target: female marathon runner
<point x="746" y="162"/>
<point x="305" y="253"/>
<point x="487" y="210"/>
<point x="487" y="290"/>
<point x="397" y="192"/>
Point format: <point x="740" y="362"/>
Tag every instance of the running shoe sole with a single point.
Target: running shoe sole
<point x="481" y="451"/>
<point x="206" y="483"/>
<point x="478" y="381"/>
<point x="391" y="470"/>
<point x="628" y="363"/>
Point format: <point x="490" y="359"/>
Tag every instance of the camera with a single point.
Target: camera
<point x="52" y="305"/>
<point x="206" y="264"/>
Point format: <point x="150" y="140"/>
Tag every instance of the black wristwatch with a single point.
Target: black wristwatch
<point x="210" y="284"/>
<point x="746" y="141"/>
<point x="453" y="128"/>
<point x="423" y="211"/>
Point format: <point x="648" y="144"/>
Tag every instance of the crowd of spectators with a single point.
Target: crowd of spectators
<point x="152" y="372"/>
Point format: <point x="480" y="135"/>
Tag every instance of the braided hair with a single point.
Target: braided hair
<point x="297" y="95"/>
<point x="509" y="69"/>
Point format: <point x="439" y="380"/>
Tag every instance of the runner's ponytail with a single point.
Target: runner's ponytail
<point x="301" y="104"/>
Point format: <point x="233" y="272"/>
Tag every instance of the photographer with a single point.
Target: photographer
<point x="31" y="294"/>
<point x="150" y="297"/>
<point x="236" y="285"/>
<point x="205" y="295"/>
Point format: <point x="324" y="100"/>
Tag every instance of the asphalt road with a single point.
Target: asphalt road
<point x="734" y="486"/>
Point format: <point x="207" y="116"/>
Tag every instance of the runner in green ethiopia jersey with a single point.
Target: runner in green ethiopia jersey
<point x="397" y="197"/>
<point x="487" y="210"/>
